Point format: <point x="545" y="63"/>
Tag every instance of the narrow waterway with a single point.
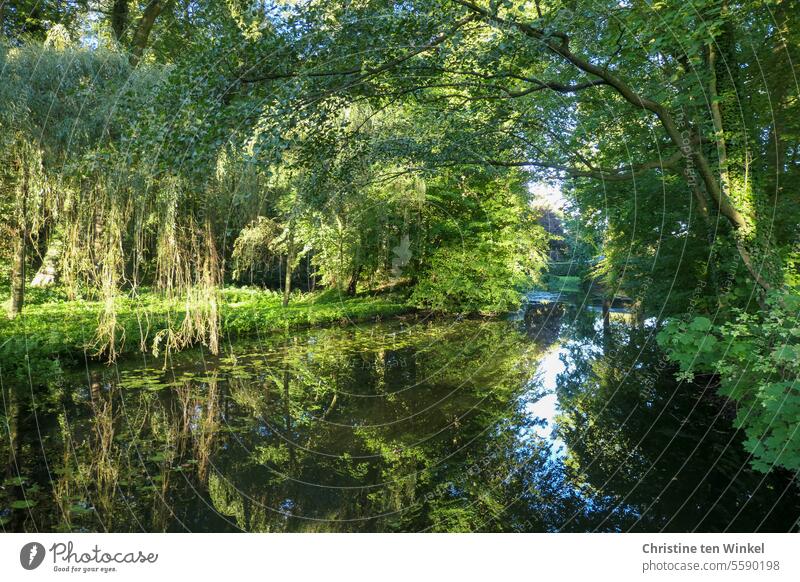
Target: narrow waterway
<point x="546" y="422"/>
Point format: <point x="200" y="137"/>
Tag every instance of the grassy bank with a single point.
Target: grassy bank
<point x="563" y="283"/>
<point x="51" y="328"/>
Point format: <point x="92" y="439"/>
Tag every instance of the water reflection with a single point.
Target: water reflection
<point x="558" y="421"/>
<point x="540" y="401"/>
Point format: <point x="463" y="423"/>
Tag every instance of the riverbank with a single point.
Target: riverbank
<point x="51" y="328"/>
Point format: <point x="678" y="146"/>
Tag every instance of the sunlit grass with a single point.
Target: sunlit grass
<point x="563" y="284"/>
<point x="51" y="326"/>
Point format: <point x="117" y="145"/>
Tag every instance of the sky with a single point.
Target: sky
<point x="550" y="193"/>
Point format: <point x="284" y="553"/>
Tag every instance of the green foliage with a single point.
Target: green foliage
<point x="757" y="359"/>
<point x="254" y="246"/>
<point x="33" y="19"/>
<point x="255" y="311"/>
<point x="33" y="348"/>
<point x="377" y="163"/>
<point x="563" y="284"/>
<point x="482" y="278"/>
<point x="489" y="251"/>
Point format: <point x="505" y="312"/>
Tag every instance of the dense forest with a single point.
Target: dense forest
<point x="176" y="173"/>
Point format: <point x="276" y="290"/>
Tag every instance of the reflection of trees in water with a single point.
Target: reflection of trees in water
<point x="393" y="418"/>
<point x="543" y="321"/>
<point x="658" y="452"/>
<point x="391" y="429"/>
<point x="11" y="491"/>
<point x="120" y="460"/>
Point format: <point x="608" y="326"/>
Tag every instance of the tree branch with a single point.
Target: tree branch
<point x="369" y="73"/>
<point x="145" y="26"/>
<point x="613" y="175"/>
<point x="562" y="49"/>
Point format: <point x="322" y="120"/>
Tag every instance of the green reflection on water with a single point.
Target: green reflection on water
<point x="549" y="424"/>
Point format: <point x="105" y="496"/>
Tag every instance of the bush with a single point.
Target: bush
<point x="757" y="358"/>
<point x="486" y="278"/>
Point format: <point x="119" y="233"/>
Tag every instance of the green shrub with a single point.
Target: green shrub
<point x="757" y="358"/>
<point x="487" y="278"/>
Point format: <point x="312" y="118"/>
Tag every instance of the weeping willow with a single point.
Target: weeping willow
<point x="188" y="266"/>
<point x="110" y="336"/>
<point x="27" y="195"/>
<point x="254" y="248"/>
<point x="90" y="209"/>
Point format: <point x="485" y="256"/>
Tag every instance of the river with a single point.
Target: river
<point x="550" y="422"/>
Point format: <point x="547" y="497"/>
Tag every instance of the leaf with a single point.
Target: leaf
<point x="80" y="509"/>
<point x="700" y="324"/>
<point x="786" y="353"/>
<point x="707" y="343"/>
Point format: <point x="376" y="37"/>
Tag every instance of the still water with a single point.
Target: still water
<point x="548" y="422"/>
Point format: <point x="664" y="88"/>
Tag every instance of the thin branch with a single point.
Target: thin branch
<point x="562" y="49"/>
<point x="369" y="73"/>
<point x="613" y="175"/>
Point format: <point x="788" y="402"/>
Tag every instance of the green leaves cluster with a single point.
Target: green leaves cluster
<point x="757" y="359"/>
<point x="487" y="253"/>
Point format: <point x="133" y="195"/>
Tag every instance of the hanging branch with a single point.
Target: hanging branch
<point x="560" y="47"/>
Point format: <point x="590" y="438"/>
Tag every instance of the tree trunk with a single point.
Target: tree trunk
<point x="287" y="282"/>
<point x="606" y="314"/>
<point x="119" y="19"/>
<point x="287" y="411"/>
<point x="48" y="271"/>
<point x="18" y="274"/>
<point x="145" y="26"/>
<point x="20" y="248"/>
<point x="778" y="90"/>
<point x="606" y="323"/>
<point x="726" y="70"/>
<point x="351" y="287"/>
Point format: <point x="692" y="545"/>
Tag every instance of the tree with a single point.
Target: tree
<point x="659" y="96"/>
